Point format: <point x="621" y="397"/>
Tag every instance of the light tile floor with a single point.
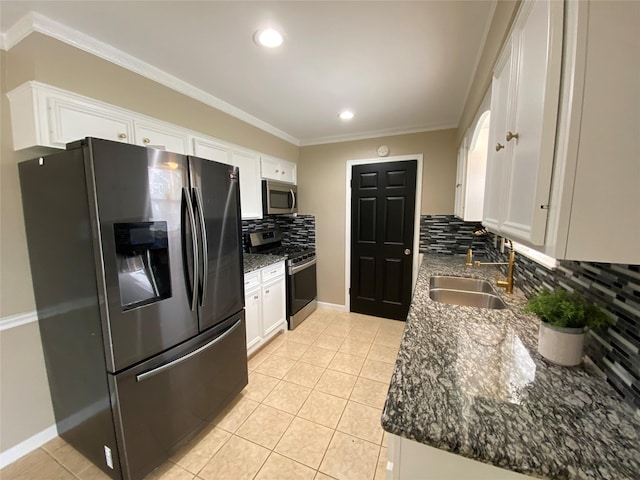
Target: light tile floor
<point x="311" y="411"/>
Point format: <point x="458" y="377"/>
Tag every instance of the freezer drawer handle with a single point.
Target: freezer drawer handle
<point x="166" y="366"/>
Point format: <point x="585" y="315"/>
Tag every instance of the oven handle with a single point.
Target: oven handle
<point x="296" y="269"/>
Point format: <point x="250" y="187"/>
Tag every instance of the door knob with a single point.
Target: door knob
<point x="407" y="251"/>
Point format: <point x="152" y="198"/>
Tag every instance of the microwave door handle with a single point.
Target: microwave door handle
<point x="194" y="248"/>
<point x="293" y="197"/>
<point x="205" y="250"/>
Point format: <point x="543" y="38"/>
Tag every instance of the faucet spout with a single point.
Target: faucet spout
<point x="507" y="283"/>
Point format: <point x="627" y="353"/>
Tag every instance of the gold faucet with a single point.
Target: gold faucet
<point x="469" y="262"/>
<point x="508" y="282"/>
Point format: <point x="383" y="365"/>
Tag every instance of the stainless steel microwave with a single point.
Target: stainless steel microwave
<point x="279" y="198"/>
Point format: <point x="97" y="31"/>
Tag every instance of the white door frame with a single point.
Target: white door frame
<point x="416" y="227"/>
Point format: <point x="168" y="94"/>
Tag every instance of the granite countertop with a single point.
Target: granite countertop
<point x="470" y="381"/>
<point x="256" y="261"/>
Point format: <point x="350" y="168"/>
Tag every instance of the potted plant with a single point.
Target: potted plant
<point x="565" y="319"/>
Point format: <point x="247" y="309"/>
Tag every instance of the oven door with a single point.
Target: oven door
<point x="301" y="292"/>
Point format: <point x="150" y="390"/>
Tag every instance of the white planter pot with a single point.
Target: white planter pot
<point x="562" y="346"/>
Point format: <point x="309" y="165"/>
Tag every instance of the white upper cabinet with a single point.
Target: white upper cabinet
<point x="42" y="115"/>
<point x="248" y="165"/>
<point x="563" y="174"/>
<point x="524" y="106"/>
<point x="160" y="135"/>
<point x="250" y="183"/>
<point x="277" y="169"/>
<point x="209" y="150"/>
<point x="594" y="212"/>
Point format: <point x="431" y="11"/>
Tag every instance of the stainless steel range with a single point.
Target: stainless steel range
<point x="301" y="272"/>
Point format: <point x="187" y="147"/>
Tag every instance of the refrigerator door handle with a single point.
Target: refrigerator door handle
<point x="205" y="251"/>
<point x="194" y="248"/>
<point x="173" y="363"/>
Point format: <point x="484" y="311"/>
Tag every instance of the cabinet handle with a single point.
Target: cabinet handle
<point x="255" y="297"/>
<point x="499" y="147"/>
<point x="283" y="172"/>
<point x="266" y="291"/>
<point x="122" y="135"/>
<point x="277" y="170"/>
<point x="458" y="185"/>
<point x="146" y="140"/>
<point x="511" y="136"/>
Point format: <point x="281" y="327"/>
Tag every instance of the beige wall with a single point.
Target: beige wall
<point x="322" y="192"/>
<point x="501" y="23"/>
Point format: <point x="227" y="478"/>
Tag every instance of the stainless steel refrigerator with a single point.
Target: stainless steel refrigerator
<point x="137" y="270"/>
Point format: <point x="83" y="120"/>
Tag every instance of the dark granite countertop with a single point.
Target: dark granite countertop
<point x="256" y="261"/>
<point x="470" y="381"/>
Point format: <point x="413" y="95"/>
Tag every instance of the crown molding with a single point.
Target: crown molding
<point x="373" y="134"/>
<point x="35" y="22"/>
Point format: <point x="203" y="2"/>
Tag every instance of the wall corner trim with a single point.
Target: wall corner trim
<point x="27" y="446"/>
<point x="18" y="320"/>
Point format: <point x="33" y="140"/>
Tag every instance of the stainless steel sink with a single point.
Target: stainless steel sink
<point x="461" y="283"/>
<point x="467" y="298"/>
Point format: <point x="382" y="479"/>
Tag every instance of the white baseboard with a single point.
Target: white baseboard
<point x="332" y="306"/>
<point x="13" y="321"/>
<point x="27" y="446"/>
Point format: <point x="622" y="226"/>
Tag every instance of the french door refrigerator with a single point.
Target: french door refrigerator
<point x="136" y="263"/>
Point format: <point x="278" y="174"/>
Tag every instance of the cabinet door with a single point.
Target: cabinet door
<point x="270" y="168"/>
<point x="497" y="163"/>
<point x="72" y="119"/>
<point x="277" y="169"/>
<point x="273" y="305"/>
<point x="287" y="172"/>
<point x="538" y="48"/>
<point x="253" y="313"/>
<point x="160" y="136"/>
<point x="250" y="184"/>
<point x="212" y="151"/>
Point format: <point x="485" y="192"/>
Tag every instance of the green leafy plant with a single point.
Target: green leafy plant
<point x="562" y="309"/>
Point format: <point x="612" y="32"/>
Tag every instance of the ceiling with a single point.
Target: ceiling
<point x="400" y="66"/>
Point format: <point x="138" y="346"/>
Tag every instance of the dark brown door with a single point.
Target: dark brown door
<point x="382" y="225"/>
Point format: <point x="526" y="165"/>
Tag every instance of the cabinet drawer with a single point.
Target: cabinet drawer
<point x="272" y="271"/>
<point x="251" y="280"/>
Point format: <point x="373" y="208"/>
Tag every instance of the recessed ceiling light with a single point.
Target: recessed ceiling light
<point x="268" y="37"/>
<point x="346" y="115"/>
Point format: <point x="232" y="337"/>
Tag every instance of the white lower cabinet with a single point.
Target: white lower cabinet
<point x="265" y="304"/>
<point x="410" y="460"/>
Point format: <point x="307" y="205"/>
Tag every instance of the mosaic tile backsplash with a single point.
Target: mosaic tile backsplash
<point x="447" y="234"/>
<point x="299" y="230"/>
<point x="615" y="287"/>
